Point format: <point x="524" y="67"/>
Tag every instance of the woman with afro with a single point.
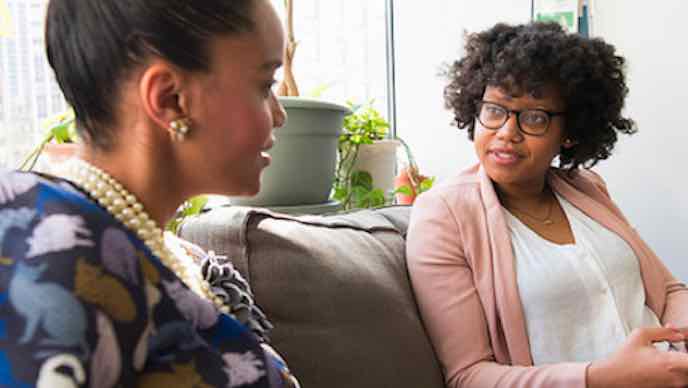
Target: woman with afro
<point x="525" y="271"/>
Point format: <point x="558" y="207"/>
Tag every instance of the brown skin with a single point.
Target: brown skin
<point x="517" y="164"/>
<point x="232" y="110"/>
<point x="639" y="364"/>
<point x="519" y="179"/>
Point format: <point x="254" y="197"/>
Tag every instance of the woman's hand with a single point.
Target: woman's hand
<point x="681" y="346"/>
<point x="639" y="364"/>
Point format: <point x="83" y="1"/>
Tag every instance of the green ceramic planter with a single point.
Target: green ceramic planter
<point x="304" y="156"/>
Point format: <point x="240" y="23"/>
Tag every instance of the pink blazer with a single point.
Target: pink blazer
<point x="462" y="270"/>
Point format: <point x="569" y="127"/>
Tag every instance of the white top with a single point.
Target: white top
<point x="580" y="300"/>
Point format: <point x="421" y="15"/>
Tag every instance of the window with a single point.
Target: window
<point x="39" y="74"/>
<point x="24" y="91"/>
<point x="42" y="106"/>
<point x="341" y="49"/>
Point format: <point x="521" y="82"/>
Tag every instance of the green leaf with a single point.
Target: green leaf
<point x="61" y="133"/>
<point x="426" y="184"/>
<point x="366" y="122"/>
<point x="359" y="196"/>
<point x="362" y="179"/>
<point x="62" y="127"/>
<point x="340" y="193"/>
<point x="376" y="198"/>
<point x="194" y="205"/>
<point x="191" y="207"/>
<point x="405" y="189"/>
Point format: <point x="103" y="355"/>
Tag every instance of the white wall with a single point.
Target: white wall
<point x="646" y="175"/>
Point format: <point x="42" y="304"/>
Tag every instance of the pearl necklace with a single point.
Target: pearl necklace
<point x="124" y="206"/>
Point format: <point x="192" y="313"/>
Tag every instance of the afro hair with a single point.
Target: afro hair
<point x="524" y="58"/>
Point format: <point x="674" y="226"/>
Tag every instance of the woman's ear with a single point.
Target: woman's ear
<point x="161" y="90"/>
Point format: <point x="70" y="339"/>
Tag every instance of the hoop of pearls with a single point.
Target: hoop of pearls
<point x="126" y="208"/>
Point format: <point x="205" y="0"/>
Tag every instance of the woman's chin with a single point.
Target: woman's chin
<point x="242" y="189"/>
<point x="500" y="176"/>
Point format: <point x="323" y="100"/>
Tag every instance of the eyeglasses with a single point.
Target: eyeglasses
<point x="534" y="122"/>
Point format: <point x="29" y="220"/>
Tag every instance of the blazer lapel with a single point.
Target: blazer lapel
<point x="506" y="286"/>
<point x="591" y="204"/>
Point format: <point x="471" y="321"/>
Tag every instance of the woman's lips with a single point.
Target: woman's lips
<point x="266" y="158"/>
<point x="504" y="157"/>
<point x="264" y="155"/>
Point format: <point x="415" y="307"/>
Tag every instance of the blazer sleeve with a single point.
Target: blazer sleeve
<point x="676" y="306"/>
<point x="452" y="312"/>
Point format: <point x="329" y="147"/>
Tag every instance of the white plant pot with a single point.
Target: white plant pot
<point x="380" y="160"/>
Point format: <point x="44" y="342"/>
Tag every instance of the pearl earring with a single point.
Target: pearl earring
<point x="179" y="128"/>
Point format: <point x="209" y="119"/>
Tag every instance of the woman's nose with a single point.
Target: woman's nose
<point x="510" y="131"/>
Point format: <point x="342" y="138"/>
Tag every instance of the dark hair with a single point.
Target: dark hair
<point x="589" y="75"/>
<point x="93" y="45"/>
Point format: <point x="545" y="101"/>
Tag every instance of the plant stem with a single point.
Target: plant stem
<point x="349" y="168"/>
<point x="288" y="86"/>
<point x="36" y="153"/>
<point x="409" y="154"/>
<point x="348" y="152"/>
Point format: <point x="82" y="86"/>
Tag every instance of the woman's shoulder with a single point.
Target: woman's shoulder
<point x="583" y="179"/>
<point x="457" y="191"/>
<point x="46" y="220"/>
<point x="45" y="193"/>
<point x="64" y="267"/>
<point x="450" y="204"/>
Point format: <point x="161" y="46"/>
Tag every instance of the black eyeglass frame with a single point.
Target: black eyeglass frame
<point x="518" y="113"/>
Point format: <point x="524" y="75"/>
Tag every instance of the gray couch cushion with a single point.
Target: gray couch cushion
<point x="336" y="288"/>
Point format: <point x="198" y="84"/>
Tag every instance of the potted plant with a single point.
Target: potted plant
<point x="360" y="169"/>
<point x="58" y="144"/>
<point x="305" y="152"/>
<point x="367" y="161"/>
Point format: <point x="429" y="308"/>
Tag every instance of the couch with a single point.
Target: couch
<point x="335" y="287"/>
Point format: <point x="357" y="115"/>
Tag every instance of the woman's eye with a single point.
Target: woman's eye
<point x="493" y="111"/>
<point x="268" y="86"/>
<point x="535" y="118"/>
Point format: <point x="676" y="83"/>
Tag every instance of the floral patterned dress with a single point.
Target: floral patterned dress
<point x="84" y="303"/>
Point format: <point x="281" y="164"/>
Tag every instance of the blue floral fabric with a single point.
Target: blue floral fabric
<point x="84" y="303"/>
